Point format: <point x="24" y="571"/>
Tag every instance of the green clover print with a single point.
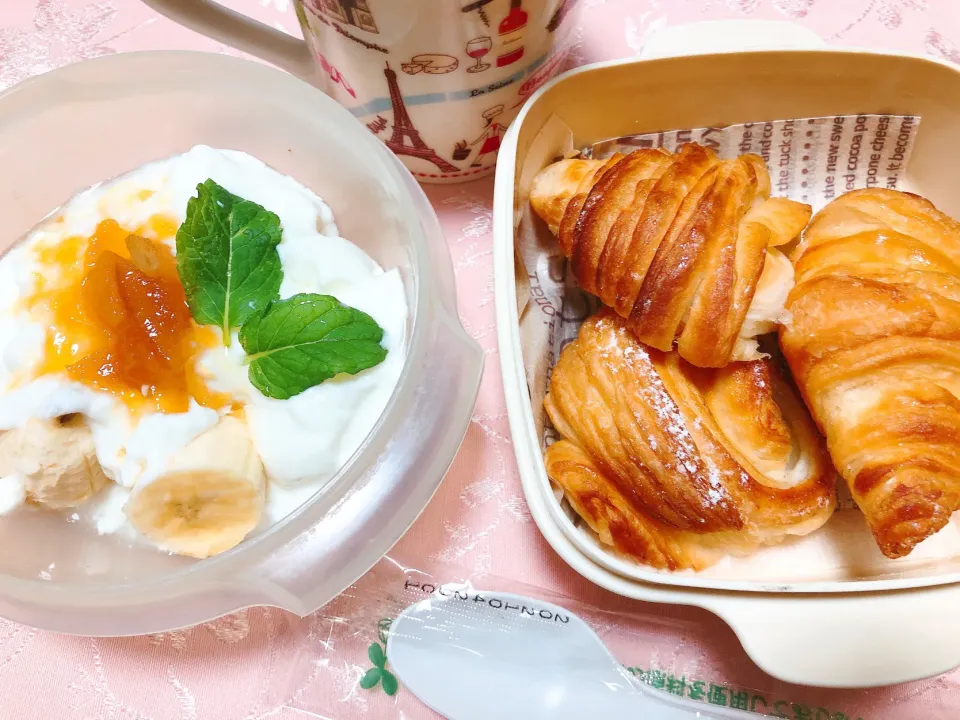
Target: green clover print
<point x="378" y="673"/>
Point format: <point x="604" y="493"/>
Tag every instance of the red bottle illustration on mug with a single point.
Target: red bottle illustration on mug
<point x="510" y="31"/>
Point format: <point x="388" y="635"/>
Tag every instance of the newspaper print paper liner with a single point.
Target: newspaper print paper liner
<point x="811" y="160"/>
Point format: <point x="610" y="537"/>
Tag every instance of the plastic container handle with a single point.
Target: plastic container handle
<point x="854" y="640"/>
<point x="230" y="27"/>
<point x="720" y="36"/>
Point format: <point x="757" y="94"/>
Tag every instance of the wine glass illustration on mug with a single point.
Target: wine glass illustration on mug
<point x="477" y="48"/>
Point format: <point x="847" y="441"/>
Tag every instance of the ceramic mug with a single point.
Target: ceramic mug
<point x="437" y="80"/>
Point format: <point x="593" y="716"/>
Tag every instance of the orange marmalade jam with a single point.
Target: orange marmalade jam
<point x="120" y="321"/>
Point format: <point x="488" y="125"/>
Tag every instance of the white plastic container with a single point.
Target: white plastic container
<point x="877" y="625"/>
<point x="70" y="128"/>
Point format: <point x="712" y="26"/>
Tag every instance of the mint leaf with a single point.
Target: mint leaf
<point x="227" y="258"/>
<point x="306" y="339"/>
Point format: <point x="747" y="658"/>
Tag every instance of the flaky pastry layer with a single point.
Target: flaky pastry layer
<point x="675" y="465"/>
<point x="874" y="344"/>
<point x="680" y="244"/>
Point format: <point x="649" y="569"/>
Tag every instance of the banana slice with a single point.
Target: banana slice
<point x="210" y="496"/>
<point x="56" y="459"/>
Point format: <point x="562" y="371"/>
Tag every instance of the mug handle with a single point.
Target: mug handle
<point x="228" y="26"/>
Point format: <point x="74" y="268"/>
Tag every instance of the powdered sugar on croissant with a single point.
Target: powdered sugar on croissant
<point x="680" y="244"/>
<point x="674" y="465"/>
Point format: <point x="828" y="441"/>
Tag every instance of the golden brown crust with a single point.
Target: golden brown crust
<point x="874" y="345"/>
<point x="676" y="465"/>
<point x="676" y="243"/>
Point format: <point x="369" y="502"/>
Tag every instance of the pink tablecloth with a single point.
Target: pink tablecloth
<point x="267" y="664"/>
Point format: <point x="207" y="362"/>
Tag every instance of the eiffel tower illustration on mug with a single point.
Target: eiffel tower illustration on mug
<point x="403" y="130"/>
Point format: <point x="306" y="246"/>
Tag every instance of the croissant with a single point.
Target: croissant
<point x="874" y="344"/>
<point x="681" y="245"/>
<point x="675" y="465"/>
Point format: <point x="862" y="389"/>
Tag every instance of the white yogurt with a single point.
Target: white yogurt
<point x="303" y="441"/>
<point x="308" y="437"/>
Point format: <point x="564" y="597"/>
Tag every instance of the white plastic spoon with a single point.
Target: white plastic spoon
<point x="473" y="655"/>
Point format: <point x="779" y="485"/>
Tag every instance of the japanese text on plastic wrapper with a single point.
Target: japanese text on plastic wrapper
<point x="713" y="694"/>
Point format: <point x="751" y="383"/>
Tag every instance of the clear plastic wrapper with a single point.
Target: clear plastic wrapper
<point x="343" y="671"/>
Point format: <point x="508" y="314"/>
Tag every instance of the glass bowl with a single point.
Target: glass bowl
<point x="71" y="128"/>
